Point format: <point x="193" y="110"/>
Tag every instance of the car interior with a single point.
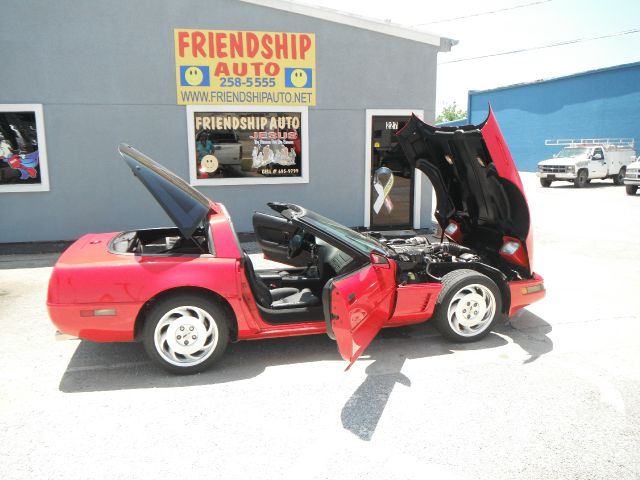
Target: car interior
<point x="293" y="294"/>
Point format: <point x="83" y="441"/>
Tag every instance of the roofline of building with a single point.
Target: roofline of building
<point x="444" y="44"/>
<point x="555" y="79"/>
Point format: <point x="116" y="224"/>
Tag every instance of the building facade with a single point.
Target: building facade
<point x="602" y="103"/>
<point x="109" y="73"/>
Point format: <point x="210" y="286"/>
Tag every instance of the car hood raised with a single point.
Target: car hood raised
<point x="475" y="180"/>
<point x="186" y="206"/>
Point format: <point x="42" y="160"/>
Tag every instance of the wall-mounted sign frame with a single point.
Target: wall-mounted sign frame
<point x="23" y="149"/>
<point x="385" y="180"/>
<point x="247" y="145"/>
<point x="236" y="67"/>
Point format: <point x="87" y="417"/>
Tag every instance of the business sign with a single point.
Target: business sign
<point x="247" y="145"/>
<point x="235" y="67"/>
<point x="23" y="154"/>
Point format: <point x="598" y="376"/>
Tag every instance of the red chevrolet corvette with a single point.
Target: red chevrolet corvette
<point x="185" y="292"/>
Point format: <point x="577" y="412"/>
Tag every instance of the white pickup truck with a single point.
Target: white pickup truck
<point x="632" y="177"/>
<point x="584" y="159"/>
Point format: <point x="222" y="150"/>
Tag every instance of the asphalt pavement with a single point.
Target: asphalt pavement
<point x="553" y="393"/>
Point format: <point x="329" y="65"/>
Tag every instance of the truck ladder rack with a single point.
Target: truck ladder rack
<point x="607" y="142"/>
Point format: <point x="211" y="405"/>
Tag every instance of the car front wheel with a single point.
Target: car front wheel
<point x="467" y="306"/>
<point x="185" y="333"/>
<point x="582" y="179"/>
<point x="545" y="182"/>
<point x="631" y="189"/>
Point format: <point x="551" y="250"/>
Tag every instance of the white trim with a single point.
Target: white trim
<point x="417" y="186"/>
<point x="346" y="18"/>
<point x="43" y="186"/>
<point x="304" y="131"/>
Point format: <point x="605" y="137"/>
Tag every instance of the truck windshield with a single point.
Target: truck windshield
<point x="572" y="152"/>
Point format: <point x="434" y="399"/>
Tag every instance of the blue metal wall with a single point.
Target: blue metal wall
<point x="599" y="103"/>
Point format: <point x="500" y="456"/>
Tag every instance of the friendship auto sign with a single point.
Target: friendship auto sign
<point x="235" y="67"/>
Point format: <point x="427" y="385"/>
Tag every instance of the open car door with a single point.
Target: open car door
<point x="273" y="235"/>
<point x="356" y="305"/>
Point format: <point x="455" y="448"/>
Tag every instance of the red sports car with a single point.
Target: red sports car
<point x="185" y="292"/>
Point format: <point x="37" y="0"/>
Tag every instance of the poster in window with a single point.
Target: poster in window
<point x="23" y="159"/>
<point x="252" y="145"/>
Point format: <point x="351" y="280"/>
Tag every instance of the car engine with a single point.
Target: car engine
<point x="418" y="259"/>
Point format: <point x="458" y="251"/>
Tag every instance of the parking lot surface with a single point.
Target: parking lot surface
<point x="553" y="393"/>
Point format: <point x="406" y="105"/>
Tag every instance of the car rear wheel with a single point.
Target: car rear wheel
<point x="582" y="179"/>
<point x="545" y="182"/>
<point x="467" y="306"/>
<point x="619" y="178"/>
<point x="631" y="189"/>
<point x="185" y="333"/>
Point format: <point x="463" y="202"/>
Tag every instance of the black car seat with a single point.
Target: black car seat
<point x="277" y="298"/>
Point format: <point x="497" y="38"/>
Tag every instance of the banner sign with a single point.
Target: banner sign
<point x="235" y="67"/>
<point x="247" y="145"/>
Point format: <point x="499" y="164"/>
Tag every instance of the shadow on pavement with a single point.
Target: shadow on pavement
<point x="586" y="187"/>
<point x="122" y="366"/>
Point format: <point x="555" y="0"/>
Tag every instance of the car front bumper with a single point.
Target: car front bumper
<point x="557" y="176"/>
<point x="526" y="292"/>
<point x="631" y="181"/>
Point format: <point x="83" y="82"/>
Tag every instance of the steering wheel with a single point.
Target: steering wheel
<point x="296" y="242"/>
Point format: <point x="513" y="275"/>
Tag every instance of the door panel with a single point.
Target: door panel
<point x="357" y="305"/>
<point x="273" y="234"/>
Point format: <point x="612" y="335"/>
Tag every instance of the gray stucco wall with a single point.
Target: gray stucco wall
<point x="105" y="74"/>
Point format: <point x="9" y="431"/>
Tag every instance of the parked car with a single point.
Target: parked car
<point x="632" y="177"/>
<point x="186" y="291"/>
<point x="582" y="160"/>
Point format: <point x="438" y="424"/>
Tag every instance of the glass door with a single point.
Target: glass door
<point x="391" y="177"/>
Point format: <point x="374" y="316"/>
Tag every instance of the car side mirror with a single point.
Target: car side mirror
<point x="379" y="261"/>
<point x="597" y="156"/>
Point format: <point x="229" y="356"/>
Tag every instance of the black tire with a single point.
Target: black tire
<point x="631" y="189"/>
<point x="582" y="179"/>
<point x="460" y="287"/>
<point x="194" y="315"/>
<point x="619" y="179"/>
<point x="546" y="183"/>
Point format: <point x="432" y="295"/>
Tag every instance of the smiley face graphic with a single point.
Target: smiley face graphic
<point x="193" y="76"/>
<point x="299" y="78"/>
<point x="208" y="164"/>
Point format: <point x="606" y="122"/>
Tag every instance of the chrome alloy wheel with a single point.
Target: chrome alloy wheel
<point x="186" y="336"/>
<point x="471" y="310"/>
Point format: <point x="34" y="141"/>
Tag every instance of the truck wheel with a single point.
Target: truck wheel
<point x="631" y="189"/>
<point x="545" y="182"/>
<point x="582" y="179"/>
<point x="619" y="179"/>
<point x="467" y="306"/>
<point x="185" y="333"/>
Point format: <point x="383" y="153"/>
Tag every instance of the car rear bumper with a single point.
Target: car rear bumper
<point x="526" y="292"/>
<point x="100" y="323"/>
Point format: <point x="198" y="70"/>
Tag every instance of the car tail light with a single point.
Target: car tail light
<point x="453" y="231"/>
<point x="513" y="251"/>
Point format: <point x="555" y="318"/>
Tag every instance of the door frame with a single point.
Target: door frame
<point x="417" y="184"/>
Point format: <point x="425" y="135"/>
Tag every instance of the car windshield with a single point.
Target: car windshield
<point x="357" y="241"/>
<point x="572" y="152"/>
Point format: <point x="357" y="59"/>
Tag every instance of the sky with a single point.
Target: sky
<point x="513" y="25"/>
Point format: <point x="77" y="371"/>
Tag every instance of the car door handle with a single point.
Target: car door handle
<point x="351" y="298"/>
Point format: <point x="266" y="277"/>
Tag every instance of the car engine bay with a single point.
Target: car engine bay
<point x="420" y="260"/>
